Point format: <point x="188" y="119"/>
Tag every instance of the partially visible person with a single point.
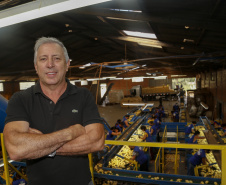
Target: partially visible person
<point x="176" y="107"/>
<point x="113" y="133"/>
<point x="194" y="138"/>
<point x="176" y="116"/>
<point x="140" y="157"/>
<point x="190" y="128"/>
<point x="17" y="180"/>
<point x="118" y="122"/>
<point x="147" y="135"/>
<point x="125" y="121"/>
<point x="53" y="125"/>
<point x="157" y="124"/>
<point x="198" y="158"/>
<point x="119" y="126"/>
<point x="224" y="130"/>
<point x="153" y="129"/>
<point x="216" y="124"/>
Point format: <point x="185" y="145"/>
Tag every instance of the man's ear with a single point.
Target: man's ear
<point x="68" y="64"/>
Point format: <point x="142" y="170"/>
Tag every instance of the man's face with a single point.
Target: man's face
<point x="51" y="66"/>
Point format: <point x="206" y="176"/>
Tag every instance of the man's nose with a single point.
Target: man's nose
<point x="50" y="63"/>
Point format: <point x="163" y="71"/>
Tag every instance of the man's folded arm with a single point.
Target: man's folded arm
<point x="23" y="143"/>
<point x="91" y="141"/>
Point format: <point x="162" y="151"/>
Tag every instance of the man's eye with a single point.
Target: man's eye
<point x="42" y="59"/>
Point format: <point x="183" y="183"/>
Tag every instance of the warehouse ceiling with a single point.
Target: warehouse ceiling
<point x="190" y="38"/>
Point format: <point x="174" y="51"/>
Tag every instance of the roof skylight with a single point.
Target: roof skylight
<point x="140" y="34"/>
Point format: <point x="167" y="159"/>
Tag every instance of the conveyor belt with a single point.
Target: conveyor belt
<point x="153" y="178"/>
<point x="212" y="138"/>
<point x="129" y="131"/>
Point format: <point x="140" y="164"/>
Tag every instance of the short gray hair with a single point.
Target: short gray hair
<point x="44" y="40"/>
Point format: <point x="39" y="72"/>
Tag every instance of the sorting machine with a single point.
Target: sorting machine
<point x="169" y="132"/>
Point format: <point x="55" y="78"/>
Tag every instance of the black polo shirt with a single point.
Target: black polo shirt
<point x="75" y="106"/>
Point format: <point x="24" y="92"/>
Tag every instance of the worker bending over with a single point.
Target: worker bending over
<point x="198" y="158"/>
<point x="113" y="133"/>
<point x="140" y="157"/>
<point x="190" y="128"/>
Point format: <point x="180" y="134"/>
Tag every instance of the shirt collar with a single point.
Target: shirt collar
<point x="71" y="89"/>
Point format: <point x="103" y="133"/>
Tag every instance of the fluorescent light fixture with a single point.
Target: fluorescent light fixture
<point x="116" y="78"/>
<point x="133" y="104"/>
<point x="127" y="78"/>
<point x="159" y="77"/>
<point x="124" y="10"/>
<point x="33" y="10"/>
<point x="178" y="75"/>
<point x="93" y="79"/>
<point x="144" y="65"/>
<point x="140" y="34"/>
<point x="85" y="65"/>
<point x="137" y="79"/>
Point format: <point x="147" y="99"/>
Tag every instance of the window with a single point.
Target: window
<point x="1" y="87"/>
<point x="25" y="85"/>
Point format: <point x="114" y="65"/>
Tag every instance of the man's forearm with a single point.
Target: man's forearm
<point x="25" y="145"/>
<point x="91" y="141"/>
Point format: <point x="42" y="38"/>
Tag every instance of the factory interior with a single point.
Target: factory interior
<point x="156" y="70"/>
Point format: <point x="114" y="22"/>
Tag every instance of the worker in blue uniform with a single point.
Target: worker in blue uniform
<point x="147" y="135"/>
<point x="190" y="128"/>
<point x="161" y="111"/>
<point x="18" y="181"/>
<point x="125" y="121"/>
<point x="118" y="122"/>
<point x="140" y="157"/>
<point x="198" y="158"/>
<point x="119" y="126"/>
<point x="113" y="133"/>
<point x="153" y="133"/>
<point x="157" y="124"/>
<point x="224" y="130"/>
<point x="192" y="140"/>
<point x="176" y="116"/>
<point x="176" y="107"/>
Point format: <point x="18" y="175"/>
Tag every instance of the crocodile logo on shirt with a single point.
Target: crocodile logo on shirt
<point x="74" y="111"/>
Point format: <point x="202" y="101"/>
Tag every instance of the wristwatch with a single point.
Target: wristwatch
<point x="52" y="154"/>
